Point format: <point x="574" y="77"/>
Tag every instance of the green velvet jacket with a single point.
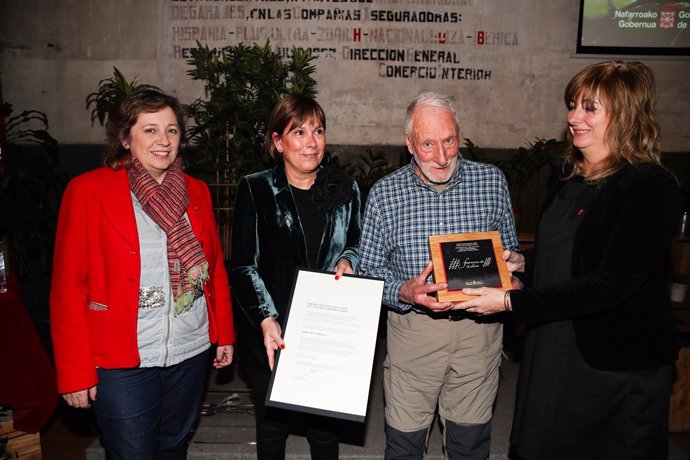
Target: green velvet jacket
<point x="268" y="246"/>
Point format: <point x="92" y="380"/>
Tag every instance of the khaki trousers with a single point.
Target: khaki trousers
<point x="430" y="362"/>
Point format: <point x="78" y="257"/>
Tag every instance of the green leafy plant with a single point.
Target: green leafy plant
<point x="527" y="161"/>
<point x="110" y="94"/>
<point x="242" y="85"/>
<point x="373" y="166"/>
<point x="520" y="169"/>
<point x="30" y="186"/>
<point x="522" y="165"/>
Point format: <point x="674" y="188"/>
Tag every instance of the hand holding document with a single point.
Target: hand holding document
<point x="330" y="338"/>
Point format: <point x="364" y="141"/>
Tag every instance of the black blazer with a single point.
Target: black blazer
<point x="268" y="245"/>
<point x="617" y="297"/>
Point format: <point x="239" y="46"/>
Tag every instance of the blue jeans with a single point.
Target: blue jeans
<point x="147" y="413"/>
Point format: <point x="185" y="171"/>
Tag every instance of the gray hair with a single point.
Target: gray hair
<point x="431" y="99"/>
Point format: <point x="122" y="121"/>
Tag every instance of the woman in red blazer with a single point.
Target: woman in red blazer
<point x="139" y="290"/>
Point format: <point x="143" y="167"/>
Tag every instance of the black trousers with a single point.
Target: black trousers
<point x="273" y="425"/>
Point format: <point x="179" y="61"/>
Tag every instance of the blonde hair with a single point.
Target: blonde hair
<point x="627" y="90"/>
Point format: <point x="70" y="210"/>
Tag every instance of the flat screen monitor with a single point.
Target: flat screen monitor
<point x="635" y="27"/>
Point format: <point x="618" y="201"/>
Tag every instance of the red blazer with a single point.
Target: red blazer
<point x="95" y="286"/>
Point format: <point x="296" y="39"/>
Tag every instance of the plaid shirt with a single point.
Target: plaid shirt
<point x="402" y="211"/>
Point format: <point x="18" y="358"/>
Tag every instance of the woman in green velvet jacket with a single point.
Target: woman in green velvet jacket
<point x="298" y="214"/>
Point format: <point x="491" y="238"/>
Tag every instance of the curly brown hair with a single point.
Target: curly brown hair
<point x="627" y="90"/>
<point x="119" y="125"/>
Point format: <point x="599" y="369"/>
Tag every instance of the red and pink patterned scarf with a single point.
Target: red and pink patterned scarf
<point x="166" y="204"/>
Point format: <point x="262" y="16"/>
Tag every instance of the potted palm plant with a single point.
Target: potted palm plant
<point x="109" y="95"/>
<point x="242" y="84"/>
<point x="30" y="187"/>
<point x="520" y="167"/>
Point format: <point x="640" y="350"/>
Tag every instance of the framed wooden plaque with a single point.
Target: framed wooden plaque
<point x="469" y="260"/>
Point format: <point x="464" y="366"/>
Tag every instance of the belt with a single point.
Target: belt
<point x="458" y="315"/>
<point x="453" y="315"/>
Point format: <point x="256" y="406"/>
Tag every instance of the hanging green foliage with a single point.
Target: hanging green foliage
<point x="110" y="94"/>
<point x="30" y="187"/>
<point x="242" y="85"/>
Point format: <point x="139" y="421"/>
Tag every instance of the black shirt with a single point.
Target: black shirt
<point x="313" y="223"/>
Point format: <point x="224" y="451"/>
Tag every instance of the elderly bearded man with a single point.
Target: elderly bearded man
<point x="436" y="356"/>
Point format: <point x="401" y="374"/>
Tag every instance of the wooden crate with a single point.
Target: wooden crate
<point x="20" y="445"/>
<point x="679" y="419"/>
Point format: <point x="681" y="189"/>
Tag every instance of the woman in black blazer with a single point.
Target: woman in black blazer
<point x="298" y="214"/>
<point x="596" y="372"/>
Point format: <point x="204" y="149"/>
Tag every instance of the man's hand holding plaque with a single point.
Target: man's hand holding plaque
<point x="468" y="260"/>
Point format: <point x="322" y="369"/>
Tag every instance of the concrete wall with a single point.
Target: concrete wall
<point x="506" y="62"/>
